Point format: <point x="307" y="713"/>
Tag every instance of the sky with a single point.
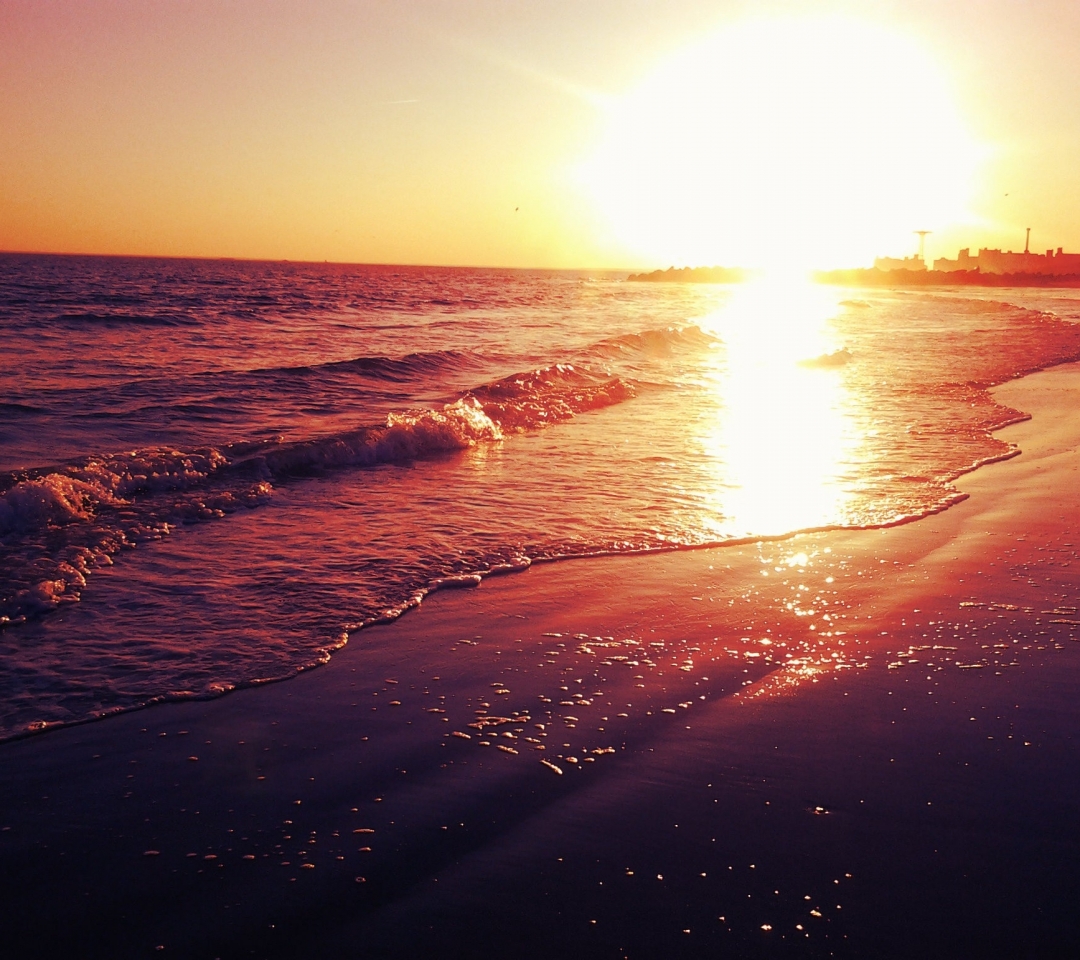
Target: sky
<point x="568" y="133"/>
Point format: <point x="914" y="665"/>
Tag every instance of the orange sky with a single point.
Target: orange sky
<point x="506" y="133"/>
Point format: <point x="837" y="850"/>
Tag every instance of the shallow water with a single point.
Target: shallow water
<point x="233" y="466"/>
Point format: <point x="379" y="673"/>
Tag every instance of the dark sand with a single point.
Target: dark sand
<point x="910" y="787"/>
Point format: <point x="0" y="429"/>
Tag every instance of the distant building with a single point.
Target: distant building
<point x="893" y="263"/>
<point x="1053" y="263"/>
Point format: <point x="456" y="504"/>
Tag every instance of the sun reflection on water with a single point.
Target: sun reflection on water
<point x="781" y="441"/>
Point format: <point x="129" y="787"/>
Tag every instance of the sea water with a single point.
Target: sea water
<point x="215" y="473"/>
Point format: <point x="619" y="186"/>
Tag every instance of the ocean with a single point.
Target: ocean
<point x="213" y="474"/>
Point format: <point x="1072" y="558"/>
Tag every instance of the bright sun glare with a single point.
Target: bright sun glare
<point x="791" y="144"/>
<point x="782" y="437"/>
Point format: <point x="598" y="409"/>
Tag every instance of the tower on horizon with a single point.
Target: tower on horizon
<point x="922" y="242"/>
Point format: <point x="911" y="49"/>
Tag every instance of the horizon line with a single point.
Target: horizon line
<point x="339" y="263"/>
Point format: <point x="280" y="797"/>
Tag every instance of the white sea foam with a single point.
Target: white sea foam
<point x="48" y="501"/>
<point x="94" y="507"/>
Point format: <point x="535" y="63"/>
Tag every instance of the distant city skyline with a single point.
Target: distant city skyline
<point x="1053" y="261"/>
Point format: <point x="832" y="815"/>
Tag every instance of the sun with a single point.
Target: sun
<point x="790" y="143"/>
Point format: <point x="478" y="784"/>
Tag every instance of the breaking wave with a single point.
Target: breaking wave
<point x="56" y="523"/>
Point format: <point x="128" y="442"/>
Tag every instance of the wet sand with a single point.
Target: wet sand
<point x="728" y="771"/>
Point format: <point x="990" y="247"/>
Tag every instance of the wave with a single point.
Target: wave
<point x="527" y="401"/>
<point x="20" y="408"/>
<point x="412" y="366"/>
<point x="989" y="306"/>
<point x="57" y="523"/>
<point x="837" y="358"/>
<point x="111" y="319"/>
<point x="662" y="342"/>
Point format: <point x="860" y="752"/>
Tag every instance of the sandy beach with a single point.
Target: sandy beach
<point x="849" y="743"/>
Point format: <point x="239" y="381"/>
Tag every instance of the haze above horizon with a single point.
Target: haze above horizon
<point x="605" y="135"/>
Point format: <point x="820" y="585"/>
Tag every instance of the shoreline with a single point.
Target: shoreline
<point x="820" y="756"/>
<point x="468" y="580"/>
